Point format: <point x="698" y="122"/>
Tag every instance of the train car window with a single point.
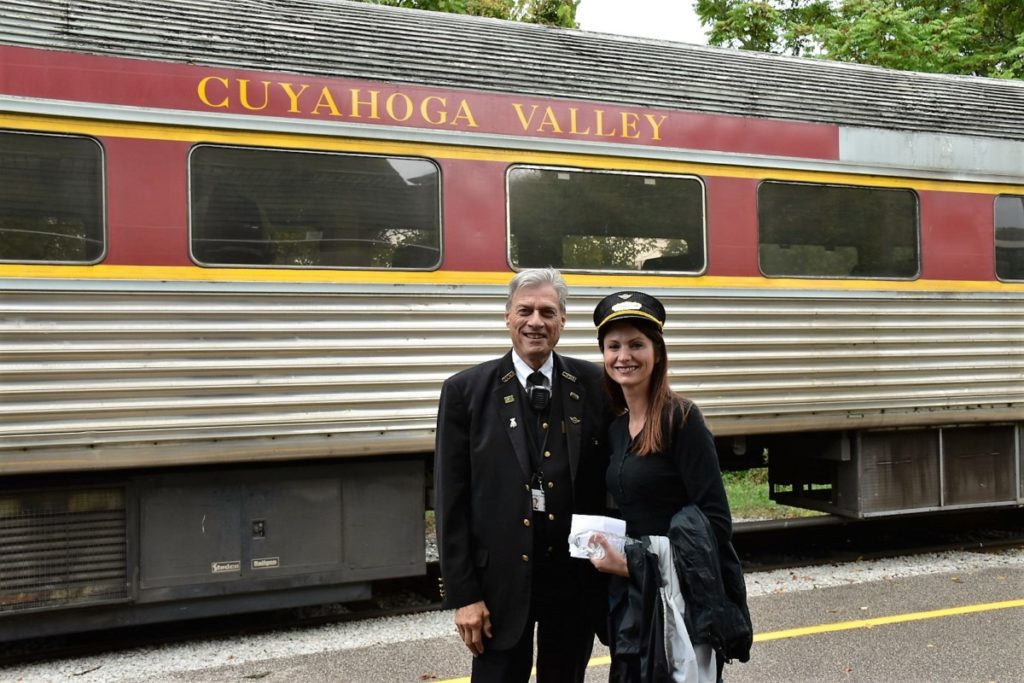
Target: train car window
<point x="297" y="209"/>
<point x="51" y="198"/>
<point x="581" y="220"/>
<point x="835" y="231"/>
<point x="1009" y="235"/>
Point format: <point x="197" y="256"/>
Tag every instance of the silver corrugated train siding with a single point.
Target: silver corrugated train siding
<point x="100" y="379"/>
<point x="358" y="40"/>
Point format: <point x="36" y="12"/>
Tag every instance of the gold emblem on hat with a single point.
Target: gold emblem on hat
<point x="627" y="306"/>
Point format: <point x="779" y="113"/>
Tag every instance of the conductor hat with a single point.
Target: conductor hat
<point x="628" y="305"/>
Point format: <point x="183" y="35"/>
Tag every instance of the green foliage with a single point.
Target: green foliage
<point x="747" y="491"/>
<point x="972" y="37"/>
<point x="48" y="238"/>
<point x="550" y="12"/>
<point x="598" y="252"/>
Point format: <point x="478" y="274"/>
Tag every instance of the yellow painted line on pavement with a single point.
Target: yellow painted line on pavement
<point x="839" y="626"/>
<point x="882" y="621"/>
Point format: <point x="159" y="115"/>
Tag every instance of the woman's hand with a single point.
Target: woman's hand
<point x="612" y="562"/>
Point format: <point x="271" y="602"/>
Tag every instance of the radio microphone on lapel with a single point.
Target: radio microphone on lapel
<point x="538" y="394"/>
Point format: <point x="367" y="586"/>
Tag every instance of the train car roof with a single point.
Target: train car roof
<point x="339" y="38"/>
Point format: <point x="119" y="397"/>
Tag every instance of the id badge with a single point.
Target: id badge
<point x="538" y="499"/>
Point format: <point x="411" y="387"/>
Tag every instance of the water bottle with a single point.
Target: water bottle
<point x="584" y="545"/>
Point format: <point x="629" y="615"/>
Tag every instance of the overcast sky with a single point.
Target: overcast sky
<point x="665" y="19"/>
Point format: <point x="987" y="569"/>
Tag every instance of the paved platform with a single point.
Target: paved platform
<point x="940" y="628"/>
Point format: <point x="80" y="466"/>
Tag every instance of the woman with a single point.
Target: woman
<point x="663" y="467"/>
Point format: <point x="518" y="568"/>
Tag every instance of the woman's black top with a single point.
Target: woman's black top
<point x="650" y="489"/>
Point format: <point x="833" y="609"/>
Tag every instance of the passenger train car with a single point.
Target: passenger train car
<point x="242" y="243"/>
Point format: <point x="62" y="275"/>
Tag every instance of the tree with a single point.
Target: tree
<point x="550" y="12"/>
<point x="972" y="37"/>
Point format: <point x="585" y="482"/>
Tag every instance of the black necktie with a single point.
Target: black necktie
<point x="537" y="392"/>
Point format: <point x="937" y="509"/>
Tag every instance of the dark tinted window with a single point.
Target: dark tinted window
<point x="51" y="198"/>
<point x="314" y="210"/>
<point x="836" y="231"/>
<point x="591" y="220"/>
<point x="1010" y="237"/>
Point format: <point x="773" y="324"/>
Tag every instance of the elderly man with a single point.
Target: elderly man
<point x="520" y="448"/>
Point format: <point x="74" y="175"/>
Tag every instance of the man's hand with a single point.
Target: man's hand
<point x="474" y="623"/>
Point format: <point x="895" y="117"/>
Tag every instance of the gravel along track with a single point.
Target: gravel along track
<point x="151" y="664"/>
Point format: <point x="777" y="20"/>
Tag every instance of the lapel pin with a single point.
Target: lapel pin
<point x="512" y="424"/>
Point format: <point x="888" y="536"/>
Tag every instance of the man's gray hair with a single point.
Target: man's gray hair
<point x="538" y="277"/>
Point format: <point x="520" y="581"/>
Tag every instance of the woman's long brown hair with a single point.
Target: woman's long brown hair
<point x="661" y="400"/>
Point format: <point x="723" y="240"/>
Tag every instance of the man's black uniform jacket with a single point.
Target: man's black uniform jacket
<point x="482" y="474"/>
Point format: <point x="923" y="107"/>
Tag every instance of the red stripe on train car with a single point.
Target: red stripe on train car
<point x="957" y="236"/>
<point x="474" y="216"/>
<point x="732" y="226"/>
<point x="147" y="202"/>
<point x="28" y="72"/>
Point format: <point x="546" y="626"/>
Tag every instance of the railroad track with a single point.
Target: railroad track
<point x="762" y="545"/>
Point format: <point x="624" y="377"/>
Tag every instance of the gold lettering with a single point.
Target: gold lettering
<point x="243" y="94"/>
<point x="442" y="115"/>
<point x="389" y="105"/>
<point x="372" y="102"/>
<point x="655" y="125"/>
<point x="573" y="128"/>
<point x="549" y="120"/>
<point x="204" y="96"/>
<point x="466" y="113"/>
<point x="599" y="114"/>
<point x="326" y="100"/>
<point x="629" y="123"/>
<point x="217" y="91"/>
<point x="293" y="96"/>
<point x="522" y="119"/>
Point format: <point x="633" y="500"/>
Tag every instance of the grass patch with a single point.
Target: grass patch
<point x="748" y="497"/>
